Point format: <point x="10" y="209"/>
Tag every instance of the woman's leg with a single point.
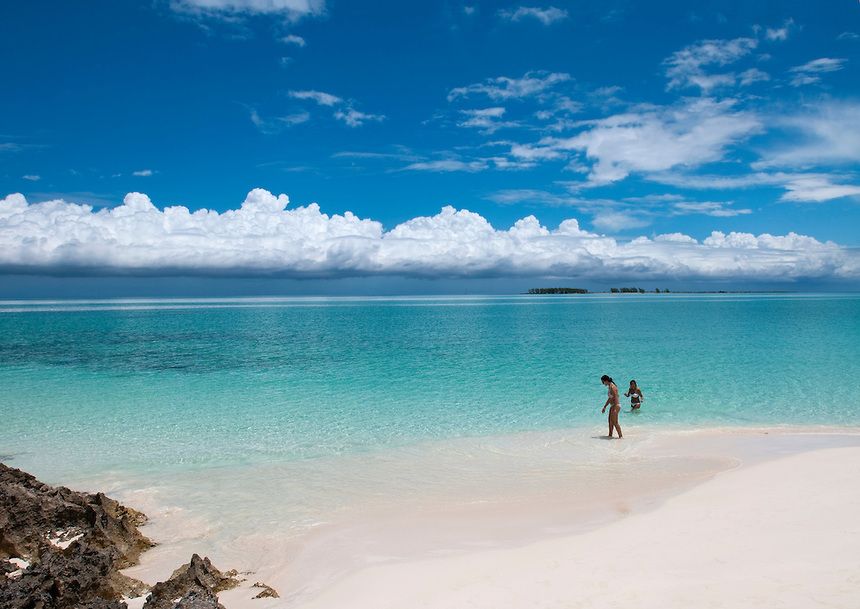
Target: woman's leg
<point x="614" y="418"/>
<point x="609" y="418"/>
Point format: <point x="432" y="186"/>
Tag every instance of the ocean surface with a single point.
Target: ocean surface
<point x="159" y="385"/>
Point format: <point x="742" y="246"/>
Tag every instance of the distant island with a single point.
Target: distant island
<point x="584" y="291"/>
<point x="644" y="291"/>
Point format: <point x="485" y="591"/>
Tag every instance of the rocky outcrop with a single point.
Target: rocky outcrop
<point x="62" y="549"/>
<point x="73" y="545"/>
<point x="196" y="584"/>
<point x="35" y="517"/>
<point x="266" y="592"/>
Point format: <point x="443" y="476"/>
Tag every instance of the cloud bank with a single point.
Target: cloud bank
<point x="264" y="237"/>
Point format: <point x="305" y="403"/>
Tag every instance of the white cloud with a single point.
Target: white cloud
<point x="800" y="187"/>
<point x="277" y="124"/>
<point x="686" y="68"/>
<point x="546" y="16"/>
<point x="321" y="98"/>
<point x="448" y="165"/>
<point x="780" y="33"/>
<point x="294" y="39"/>
<point x="344" y="113"/>
<point x="142" y="173"/>
<point x="717" y="209"/>
<point x="531" y="196"/>
<point x="292" y="9"/>
<point x="653" y="140"/>
<point x="827" y="134"/>
<point x="675" y="238"/>
<point x="503" y="87"/>
<point x="753" y="75"/>
<point x="617" y="221"/>
<point x="354" y="118"/>
<point x="817" y="190"/>
<point x="264" y="237"/>
<point x="810" y="72"/>
<point x="848" y="36"/>
<point x="32" y="177"/>
<point x="529" y="152"/>
<point x="488" y="120"/>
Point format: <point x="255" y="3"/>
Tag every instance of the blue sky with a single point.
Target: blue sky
<point x="638" y="120"/>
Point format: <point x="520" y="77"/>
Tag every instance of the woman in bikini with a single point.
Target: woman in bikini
<point x="613" y="402"/>
<point x="635" y="395"/>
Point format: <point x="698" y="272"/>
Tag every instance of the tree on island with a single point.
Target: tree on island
<point x="557" y="291"/>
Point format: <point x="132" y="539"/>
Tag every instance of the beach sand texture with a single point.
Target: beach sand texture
<point x="781" y="533"/>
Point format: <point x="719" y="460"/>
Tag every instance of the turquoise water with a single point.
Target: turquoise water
<point x="146" y="386"/>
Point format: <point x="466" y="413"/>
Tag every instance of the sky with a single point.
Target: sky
<point x="328" y="142"/>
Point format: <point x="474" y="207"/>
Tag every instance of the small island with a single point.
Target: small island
<point x="584" y="291"/>
<point x="557" y="291"/>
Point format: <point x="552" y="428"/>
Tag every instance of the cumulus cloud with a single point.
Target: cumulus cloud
<point x="263" y="236"/>
<point x="686" y="68"/>
<point x="292" y="9"/>
<point x="546" y="16"/>
<point x="810" y="72"/>
<point x="658" y="139"/>
<point x="503" y="87"/>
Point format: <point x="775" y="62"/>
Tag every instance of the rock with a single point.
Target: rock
<point x="197" y="582"/>
<point x="72" y="543"/>
<point x="33" y="513"/>
<point x="199" y="599"/>
<point x="61" y="549"/>
<point x="267" y="592"/>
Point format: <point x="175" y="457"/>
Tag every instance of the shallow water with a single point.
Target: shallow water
<point x="137" y="387"/>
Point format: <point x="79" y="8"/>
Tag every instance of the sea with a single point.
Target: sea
<point x="306" y="405"/>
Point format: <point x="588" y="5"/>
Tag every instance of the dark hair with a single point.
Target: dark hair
<point x="605" y="378"/>
<point x="632" y="382"/>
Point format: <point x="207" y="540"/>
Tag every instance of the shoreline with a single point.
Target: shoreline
<point x="411" y="529"/>
<point x="778" y="533"/>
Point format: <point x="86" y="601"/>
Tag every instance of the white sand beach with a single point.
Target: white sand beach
<point x="711" y="518"/>
<point x="782" y="533"/>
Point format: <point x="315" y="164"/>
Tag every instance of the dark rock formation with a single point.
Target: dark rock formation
<point x="75" y="544"/>
<point x="195" y="584"/>
<point x="32" y="514"/>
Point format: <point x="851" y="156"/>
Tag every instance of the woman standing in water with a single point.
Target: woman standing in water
<point x="635" y="395"/>
<point x="613" y="402"/>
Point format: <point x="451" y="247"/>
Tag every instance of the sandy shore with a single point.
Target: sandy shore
<point x="782" y="533"/>
<point x="720" y="517"/>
